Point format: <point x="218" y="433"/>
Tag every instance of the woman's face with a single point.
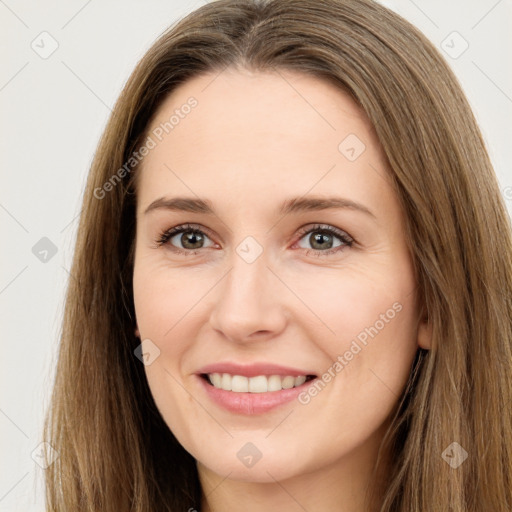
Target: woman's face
<point x="292" y="263"/>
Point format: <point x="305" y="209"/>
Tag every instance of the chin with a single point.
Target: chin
<point x="262" y="472"/>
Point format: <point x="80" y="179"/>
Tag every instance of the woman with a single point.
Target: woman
<point x="257" y="368"/>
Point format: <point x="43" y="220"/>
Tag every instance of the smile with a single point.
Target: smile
<point x="257" y="384"/>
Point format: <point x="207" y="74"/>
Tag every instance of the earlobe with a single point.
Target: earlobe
<point x="137" y="333"/>
<point x="425" y="334"/>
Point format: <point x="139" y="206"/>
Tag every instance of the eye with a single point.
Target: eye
<point x="192" y="238"/>
<point x="322" y="239"/>
<point x="189" y="236"/>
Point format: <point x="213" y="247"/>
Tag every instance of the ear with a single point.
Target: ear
<point x="425" y="334"/>
<point x="137" y="333"/>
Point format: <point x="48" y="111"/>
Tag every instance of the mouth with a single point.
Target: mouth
<point x="255" y="388"/>
<point x="256" y="384"/>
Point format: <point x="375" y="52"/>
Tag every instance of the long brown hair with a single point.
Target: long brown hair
<point x="115" y="451"/>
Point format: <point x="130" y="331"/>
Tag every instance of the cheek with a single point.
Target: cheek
<point x="162" y="301"/>
<point x="362" y="304"/>
<point x="162" y="297"/>
<point x="370" y="335"/>
<point x="369" y="358"/>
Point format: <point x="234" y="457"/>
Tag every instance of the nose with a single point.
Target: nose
<point x="250" y="304"/>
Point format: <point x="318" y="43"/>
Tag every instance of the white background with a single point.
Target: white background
<point x="53" y="112"/>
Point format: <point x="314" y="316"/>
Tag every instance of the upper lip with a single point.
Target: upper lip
<point x="253" y="370"/>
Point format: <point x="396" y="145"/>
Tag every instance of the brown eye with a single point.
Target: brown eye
<point x="191" y="240"/>
<point x="184" y="239"/>
<point x="325" y="240"/>
<point x="321" y="241"/>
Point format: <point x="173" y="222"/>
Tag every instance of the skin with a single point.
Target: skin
<point x="254" y="140"/>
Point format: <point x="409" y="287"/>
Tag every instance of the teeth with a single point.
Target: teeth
<point x="239" y="384"/>
<point x="225" y="382"/>
<point x="256" y="384"/>
<point x="288" y="382"/>
<point x="259" y="384"/>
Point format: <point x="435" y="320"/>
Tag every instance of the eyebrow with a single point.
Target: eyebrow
<point x="293" y="205"/>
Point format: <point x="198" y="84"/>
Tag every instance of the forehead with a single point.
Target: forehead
<point x="260" y="135"/>
<point x="282" y="107"/>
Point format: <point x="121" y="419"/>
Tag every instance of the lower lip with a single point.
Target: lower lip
<point x="252" y="403"/>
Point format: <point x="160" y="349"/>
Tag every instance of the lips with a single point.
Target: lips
<point x="255" y="388"/>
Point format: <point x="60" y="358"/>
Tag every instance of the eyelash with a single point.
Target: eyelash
<point x="347" y="241"/>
